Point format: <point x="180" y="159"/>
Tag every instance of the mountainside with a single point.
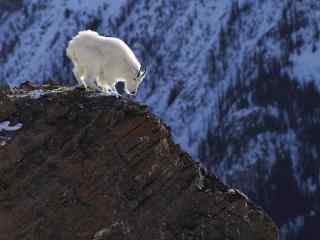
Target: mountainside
<point x="237" y="81"/>
<point x="82" y="166"/>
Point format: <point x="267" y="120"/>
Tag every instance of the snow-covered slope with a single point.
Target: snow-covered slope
<point x="237" y="81"/>
<point x="33" y="40"/>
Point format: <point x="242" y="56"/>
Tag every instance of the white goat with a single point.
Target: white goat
<point x="100" y="62"/>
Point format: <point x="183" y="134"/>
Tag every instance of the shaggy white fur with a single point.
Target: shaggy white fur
<point x="100" y="62"/>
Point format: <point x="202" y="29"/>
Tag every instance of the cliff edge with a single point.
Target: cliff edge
<point x="74" y="165"/>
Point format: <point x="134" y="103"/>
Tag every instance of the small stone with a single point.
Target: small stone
<point x="102" y="234"/>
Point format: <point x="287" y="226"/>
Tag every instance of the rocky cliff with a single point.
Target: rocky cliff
<point x="75" y="165"/>
<point x="243" y="75"/>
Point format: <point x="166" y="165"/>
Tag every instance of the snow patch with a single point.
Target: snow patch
<point x="5" y="126"/>
<point x="306" y="66"/>
<point x="311" y="185"/>
<point x="293" y="227"/>
<point x="35" y="94"/>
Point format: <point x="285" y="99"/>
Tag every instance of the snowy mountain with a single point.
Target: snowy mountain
<point x="237" y="81"/>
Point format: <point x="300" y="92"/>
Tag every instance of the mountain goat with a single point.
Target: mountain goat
<point x="100" y="62"/>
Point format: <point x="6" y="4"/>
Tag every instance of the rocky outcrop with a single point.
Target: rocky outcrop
<point x="99" y="167"/>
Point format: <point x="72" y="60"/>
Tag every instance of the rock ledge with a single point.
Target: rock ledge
<point x="85" y="167"/>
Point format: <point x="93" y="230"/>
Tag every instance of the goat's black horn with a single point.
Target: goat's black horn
<point x="142" y="70"/>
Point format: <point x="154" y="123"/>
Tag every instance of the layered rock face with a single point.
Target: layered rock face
<point x="99" y="167"/>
